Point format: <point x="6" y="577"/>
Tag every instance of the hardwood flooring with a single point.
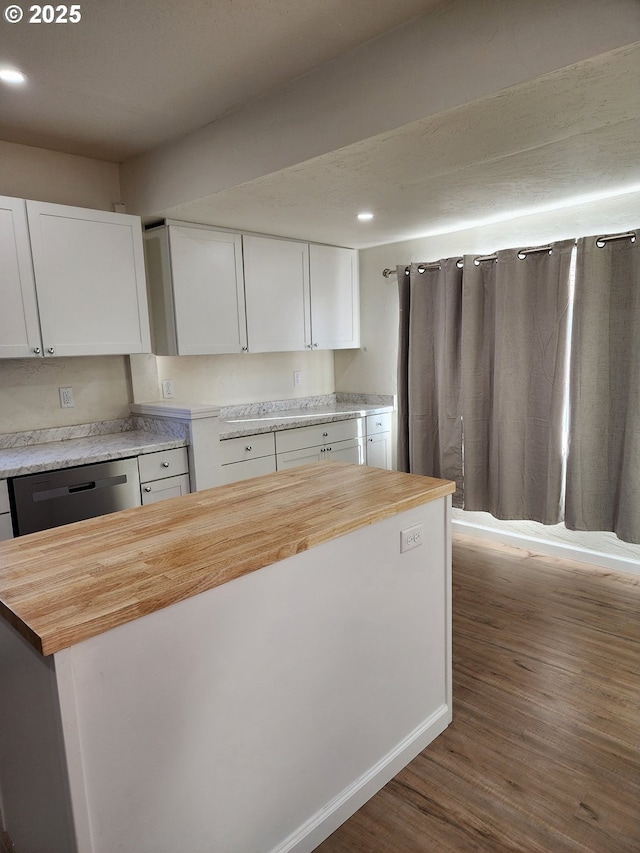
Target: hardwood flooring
<point x="543" y="752"/>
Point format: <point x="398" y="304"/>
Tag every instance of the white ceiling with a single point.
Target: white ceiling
<point x="124" y="81"/>
<point x="570" y="134"/>
<point x="133" y="74"/>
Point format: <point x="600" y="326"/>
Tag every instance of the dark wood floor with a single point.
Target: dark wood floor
<point x="543" y="751"/>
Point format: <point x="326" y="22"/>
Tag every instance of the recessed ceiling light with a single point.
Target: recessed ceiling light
<point x="12" y="75"/>
<point x="365" y="217"/>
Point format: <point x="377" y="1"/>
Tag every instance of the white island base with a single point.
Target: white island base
<point x="254" y="717"/>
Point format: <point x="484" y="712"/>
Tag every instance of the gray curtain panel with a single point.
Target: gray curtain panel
<point x="429" y="412"/>
<point x="514" y="351"/>
<point x="603" y="467"/>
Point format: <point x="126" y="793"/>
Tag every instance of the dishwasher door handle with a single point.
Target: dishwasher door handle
<point x="63" y="491"/>
<point x="85" y="487"/>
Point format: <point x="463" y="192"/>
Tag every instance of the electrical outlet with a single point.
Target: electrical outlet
<point x="297" y="377"/>
<point x="167" y="389"/>
<point x="66" y="398"/>
<point x="410" y="538"/>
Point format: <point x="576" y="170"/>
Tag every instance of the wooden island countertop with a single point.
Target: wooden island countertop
<point x="62" y="586"/>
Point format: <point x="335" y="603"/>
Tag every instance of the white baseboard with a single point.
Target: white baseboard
<point x="320" y="826"/>
<point x="542" y="546"/>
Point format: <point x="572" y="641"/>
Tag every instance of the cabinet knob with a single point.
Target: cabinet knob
<point x="147" y="488"/>
<point x="325" y="434"/>
<point x="165" y="464"/>
<point x="378" y="423"/>
<point x="370" y="439"/>
<point x="322" y="449"/>
<point x="328" y="450"/>
<point x="37" y="350"/>
<point x="248" y="447"/>
<point x="315" y="345"/>
<point x="245" y="349"/>
<point x="50" y="350"/>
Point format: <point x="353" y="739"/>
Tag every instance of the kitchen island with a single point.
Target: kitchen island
<point x="235" y="670"/>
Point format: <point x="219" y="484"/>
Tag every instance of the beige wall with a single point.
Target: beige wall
<point x="231" y="379"/>
<point x="29" y="397"/>
<point x="35" y="173"/>
<point x="227" y="380"/>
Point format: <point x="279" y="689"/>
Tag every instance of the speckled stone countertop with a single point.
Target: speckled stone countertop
<point x="256" y="418"/>
<point x="81" y="445"/>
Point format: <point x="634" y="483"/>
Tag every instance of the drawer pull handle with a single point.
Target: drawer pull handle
<point x="165" y="464"/>
<point x="147" y="488"/>
<point x="248" y="447"/>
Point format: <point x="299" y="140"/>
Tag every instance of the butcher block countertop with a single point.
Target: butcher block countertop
<point x="62" y="586"/>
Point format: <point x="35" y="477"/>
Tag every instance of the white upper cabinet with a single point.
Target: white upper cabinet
<point x="196" y="290"/>
<point x="71" y="281"/>
<point x="90" y="281"/>
<point x="300" y="296"/>
<point x="335" y="304"/>
<point x="277" y="293"/>
<point x="19" y="325"/>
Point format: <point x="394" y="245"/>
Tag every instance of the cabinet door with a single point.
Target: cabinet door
<point x="162" y="490"/>
<point x="89" y="273"/>
<point x="335" y="305"/>
<point x="345" y="451"/>
<point x="276" y="277"/>
<point x="19" y="326"/>
<point x="293" y="458"/>
<point x="208" y="291"/>
<point x="379" y="450"/>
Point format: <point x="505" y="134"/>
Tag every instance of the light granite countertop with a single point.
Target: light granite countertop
<point x="33" y="458"/>
<point x="274" y="421"/>
<point x="84" y="444"/>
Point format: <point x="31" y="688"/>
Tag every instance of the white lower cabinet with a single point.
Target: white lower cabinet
<point x="247" y="457"/>
<point x="378" y="444"/>
<point x="6" y="528"/>
<point x="339" y="441"/>
<point x="163" y="475"/>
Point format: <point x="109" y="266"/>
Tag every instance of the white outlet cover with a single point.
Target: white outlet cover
<point x="411" y="538"/>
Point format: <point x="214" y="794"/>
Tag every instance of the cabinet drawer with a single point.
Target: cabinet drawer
<point x="236" y="471"/>
<point x="248" y="447"/>
<point x="162" y="490"/>
<point x="4" y="496"/>
<point x="378" y="423"/>
<point x="311" y="436"/>
<point x="164" y="463"/>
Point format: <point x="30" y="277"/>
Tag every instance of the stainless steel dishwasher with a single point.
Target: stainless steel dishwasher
<point x="53" y="498"/>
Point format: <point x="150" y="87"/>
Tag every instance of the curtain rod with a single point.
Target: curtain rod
<point x="522" y="253"/>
